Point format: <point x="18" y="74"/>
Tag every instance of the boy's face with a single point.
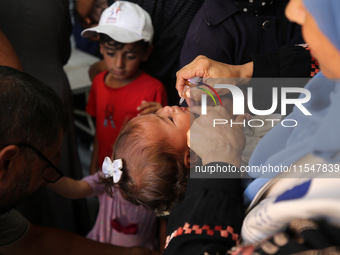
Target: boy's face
<point x="123" y="63"/>
<point x="170" y="124"/>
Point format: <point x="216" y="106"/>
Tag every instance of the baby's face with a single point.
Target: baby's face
<point x="170" y="124"/>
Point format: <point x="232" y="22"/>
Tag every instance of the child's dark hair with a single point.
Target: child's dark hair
<point x="103" y="38"/>
<point x="159" y="173"/>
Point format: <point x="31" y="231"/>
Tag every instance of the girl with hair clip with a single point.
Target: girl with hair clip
<point x="156" y="159"/>
<point x="119" y="222"/>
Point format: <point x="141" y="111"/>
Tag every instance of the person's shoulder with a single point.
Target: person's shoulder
<point x="14" y="224"/>
<point x="217" y="11"/>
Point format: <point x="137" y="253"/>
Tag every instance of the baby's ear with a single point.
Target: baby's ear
<point x="190" y="158"/>
<point x="148" y="52"/>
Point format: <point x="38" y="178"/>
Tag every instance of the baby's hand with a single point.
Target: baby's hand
<point x="213" y="143"/>
<point x="148" y="107"/>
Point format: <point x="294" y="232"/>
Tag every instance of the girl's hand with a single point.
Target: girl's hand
<point x="148" y="107"/>
<point x="217" y="142"/>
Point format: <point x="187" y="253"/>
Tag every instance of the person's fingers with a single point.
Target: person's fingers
<point x="248" y="116"/>
<point x="182" y="76"/>
<point x="86" y="22"/>
<point x="193" y="69"/>
<point x="180" y="84"/>
<point x="188" y="138"/>
<point x="148" y="107"/>
<point x="240" y="119"/>
<point x="149" y="110"/>
<point x="189" y="102"/>
<point x="144" y="104"/>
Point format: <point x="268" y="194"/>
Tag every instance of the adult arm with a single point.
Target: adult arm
<point x="287" y="62"/>
<point x="41" y="240"/>
<point x="202" y="66"/>
<point x="8" y="56"/>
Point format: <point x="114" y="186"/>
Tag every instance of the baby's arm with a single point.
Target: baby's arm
<point x="71" y="188"/>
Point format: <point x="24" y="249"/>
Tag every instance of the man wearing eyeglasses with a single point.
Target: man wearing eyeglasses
<point x="32" y="123"/>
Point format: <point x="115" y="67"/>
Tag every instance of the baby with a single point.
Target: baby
<point x="155" y="157"/>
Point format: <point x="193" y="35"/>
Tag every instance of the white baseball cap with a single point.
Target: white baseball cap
<point x="124" y="22"/>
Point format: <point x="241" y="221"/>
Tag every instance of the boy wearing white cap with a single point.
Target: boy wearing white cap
<point x="125" y="32"/>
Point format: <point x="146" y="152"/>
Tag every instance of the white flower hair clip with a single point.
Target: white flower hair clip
<point x="112" y="169"/>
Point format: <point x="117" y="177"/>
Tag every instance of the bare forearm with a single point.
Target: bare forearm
<point x="8" y="56"/>
<point x="70" y="188"/>
<point x="41" y="241"/>
<point x="246" y="70"/>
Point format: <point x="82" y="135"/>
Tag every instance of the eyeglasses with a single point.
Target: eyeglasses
<point x="49" y="176"/>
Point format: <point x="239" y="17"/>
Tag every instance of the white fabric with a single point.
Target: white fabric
<point x="308" y="195"/>
<point x="124" y="22"/>
<point x="112" y="169"/>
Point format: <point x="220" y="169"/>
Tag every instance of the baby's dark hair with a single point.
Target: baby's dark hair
<point x="103" y="38"/>
<point x="154" y="173"/>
